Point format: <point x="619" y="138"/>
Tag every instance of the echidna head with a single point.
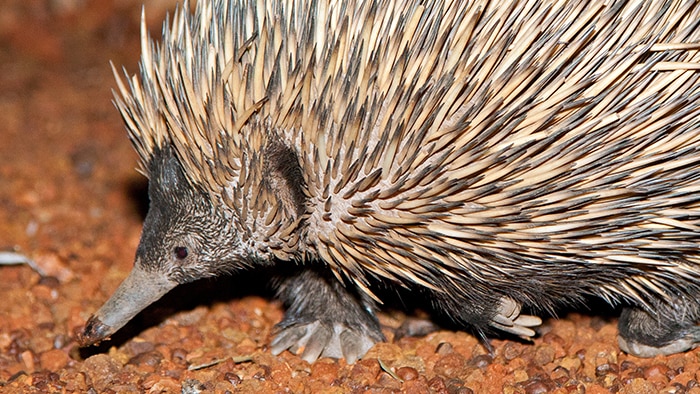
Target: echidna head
<point x="185" y="237"/>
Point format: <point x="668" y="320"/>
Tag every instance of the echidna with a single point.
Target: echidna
<point x="494" y="155"/>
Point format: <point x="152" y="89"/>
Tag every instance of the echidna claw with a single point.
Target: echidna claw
<point x="291" y="338"/>
<point x="509" y="319"/>
<point x="316" y="340"/>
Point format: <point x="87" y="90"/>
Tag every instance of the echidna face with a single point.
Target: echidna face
<point x="184" y="236"/>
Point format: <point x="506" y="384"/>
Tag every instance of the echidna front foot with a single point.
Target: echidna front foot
<point x="324" y="319"/>
<point x="645" y="335"/>
<point x="318" y="340"/>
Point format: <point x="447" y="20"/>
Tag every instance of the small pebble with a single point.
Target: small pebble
<point x="559" y="373"/>
<point x="511" y="351"/>
<point x="520" y="376"/>
<point x="386" y="381"/>
<point x="444" y="348"/>
<point x="193" y="386"/>
<point x="151" y="359"/>
<point x="657" y="373"/>
<point x="234" y="379"/>
<point x="27" y="358"/>
<point x="544" y="355"/>
<point x="136" y="347"/>
<point x="54" y="359"/>
<point x="451" y="365"/>
<point x="605" y="369"/>
<point x="456" y="386"/>
<point x="179" y="356"/>
<point x="571" y="363"/>
<point x="481" y="361"/>
<point x="640" y="386"/>
<point x="437" y="385"/>
<point x="161" y="384"/>
<point x="49" y="281"/>
<point x="102" y="371"/>
<point x="407" y="373"/>
<point x="536" y="387"/>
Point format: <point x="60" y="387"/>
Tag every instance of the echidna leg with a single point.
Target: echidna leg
<point x="325" y="319"/>
<point x="672" y="330"/>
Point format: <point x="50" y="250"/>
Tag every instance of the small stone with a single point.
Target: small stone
<point x="543" y="355"/>
<point x="407" y="373"/>
<point x="386" y="381"/>
<point x="511" y="351"/>
<point x="193" y="386"/>
<point x="232" y="378"/>
<point x="444" y="348"/>
<point x="44" y="379"/>
<point x="611" y="382"/>
<point x="60" y="341"/>
<point x="625" y="365"/>
<point x="27" y="358"/>
<point x="437" y="385"/>
<point x="481" y="361"/>
<point x="552" y="338"/>
<point x="54" y="359"/>
<point x="451" y="366"/>
<point x="75" y="381"/>
<point x="136" y="347"/>
<point x="179" y="356"/>
<point x="151" y="359"/>
<point x="456" y="386"/>
<point x="102" y="371"/>
<point x="536" y="387"/>
<point x="560" y="373"/>
<point x="364" y="372"/>
<point x="605" y="369"/>
<point x="639" y="386"/>
<point x="49" y="281"/>
<point x="520" y="375"/>
<point x="657" y="374"/>
<point x="324" y="370"/>
<point x="419" y="386"/>
<point x="657" y="371"/>
<point x="631" y="374"/>
<point x="161" y="384"/>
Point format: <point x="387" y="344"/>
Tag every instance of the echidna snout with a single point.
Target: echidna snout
<point x="501" y="158"/>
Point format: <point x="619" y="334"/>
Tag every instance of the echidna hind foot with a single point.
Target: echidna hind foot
<point x="509" y="319"/>
<point x="325" y="319"/>
<point x="644" y="335"/>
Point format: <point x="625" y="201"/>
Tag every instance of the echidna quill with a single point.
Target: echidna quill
<point x="495" y="155"/>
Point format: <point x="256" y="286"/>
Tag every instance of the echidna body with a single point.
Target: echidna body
<point x="493" y="154"/>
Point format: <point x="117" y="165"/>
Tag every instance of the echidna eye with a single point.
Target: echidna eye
<point x="181" y="252"/>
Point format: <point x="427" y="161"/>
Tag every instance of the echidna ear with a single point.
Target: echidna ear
<point x="283" y="171"/>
